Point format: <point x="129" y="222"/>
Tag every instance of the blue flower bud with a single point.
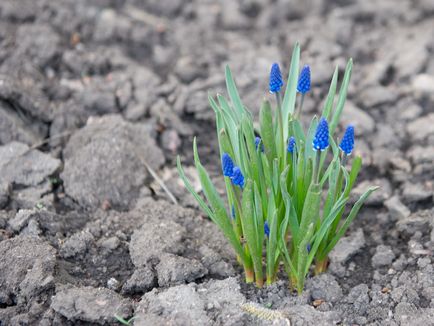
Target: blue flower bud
<point x="237" y="177"/>
<point x="308" y="247"/>
<point x="266" y="229"/>
<point x="291" y="144"/>
<point x="233" y="212"/>
<point x="321" y="139"/>
<point x="276" y="81"/>
<point x="347" y="143"/>
<point x="303" y="85"/>
<point x="257" y="142"/>
<point x="227" y="165"/>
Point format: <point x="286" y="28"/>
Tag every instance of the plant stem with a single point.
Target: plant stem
<point x="298" y="109"/>
<point x="250" y="274"/>
<point x="321" y="266"/>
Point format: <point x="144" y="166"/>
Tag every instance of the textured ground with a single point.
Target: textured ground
<point x="85" y="231"/>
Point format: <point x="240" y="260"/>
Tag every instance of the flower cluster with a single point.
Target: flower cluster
<point x="287" y="186"/>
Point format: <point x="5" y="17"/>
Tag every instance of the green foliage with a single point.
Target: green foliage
<point x="301" y="196"/>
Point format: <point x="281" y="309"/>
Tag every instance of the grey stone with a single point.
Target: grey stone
<point x="347" y="247"/>
<point x="421" y="128"/>
<point x="308" y="315"/>
<point x="414" y="192"/>
<point x="416" y="222"/>
<point x="324" y="287"/>
<point x="173" y="270"/>
<point x="376" y="95"/>
<point x="25" y="167"/>
<point x="39" y="42"/>
<point x="104" y="161"/>
<point x="26" y="269"/>
<point x="358" y="297"/>
<point x="377" y="197"/>
<point x="383" y="256"/>
<point x="193" y="305"/>
<point x="5" y="192"/>
<point x="397" y="209"/>
<point x="363" y="123"/>
<point x="154" y="239"/>
<point x="215" y="263"/>
<point x="142" y="280"/>
<point x="88" y="304"/>
<point x="423" y="84"/>
<point x="77" y="244"/>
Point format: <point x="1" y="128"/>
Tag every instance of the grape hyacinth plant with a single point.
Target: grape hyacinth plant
<point x="287" y="189"/>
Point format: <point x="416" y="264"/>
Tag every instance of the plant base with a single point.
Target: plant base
<point x="321" y="266"/>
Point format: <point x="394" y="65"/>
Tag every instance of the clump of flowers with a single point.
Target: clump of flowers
<point x="287" y="188"/>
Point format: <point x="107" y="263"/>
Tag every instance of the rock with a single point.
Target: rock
<point x="308" y="315"/>
<point x="142" y="280"/>
<point x="421" y="128"/>
<point x="193" y="305"/>
<point x="104" y="161"/>
<point x="414" y="192"/>
<point x="77" y="244"/>
<point x="5" y="192"/>
<point x="215" y="263"/>
<point x="22" y="167"/>
<point x="421" y="155"/>
<point x="24" y="11"/>
<point x="13" y="128"/>
<point x="347" y="247"/>
<point x="26" y="269"/>
<point x="376" y="95"/>
<point x="362" y="121"/>
<point x="38" y="42"/>
<point x="170" y="140"/>
<point x="423" y="83"/>
<point x="377" y="197"/>
<point x="154" y="239"/>
<point x="416" y="222"/>
<point x="92" y="305"/>
<point x="173" y="270"/>
<point x="324" y="287"/>
<point x="397" y="209"/>
<point x="383" y="256"/>
<point x="359" y="299"/>
<point x="188" y="70"/>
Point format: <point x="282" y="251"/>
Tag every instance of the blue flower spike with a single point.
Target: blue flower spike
<point x="276" y="81"/>
<point x="266" y="229"/>
<point x="258" y="141"/>
<point x="237" y="177"/>
<point x="303" y="85"/>
<point x="291" y="144"/>
<point x="227" y="165"/>
<point x="347" y="143"/>
<point x="321" y="139"/>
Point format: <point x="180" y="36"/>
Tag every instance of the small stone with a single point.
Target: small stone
<point x="77" y="244"/>
<point x="88" y="304"/>
<point x="415" y="192"/>
<point x="377" y="197"/>
<point x="383" y="256"/>
<point x="423" y="83"/>
<point x="421" y="128"/>
<point x="397" y="209"/>
<point x="324" y="287"/>
<point x="348" y="247"/>
<point x="113" y="284"/>
<point x="173" y="270"/>
<point x="142" y="280"/>
<point x="363" y="123"/>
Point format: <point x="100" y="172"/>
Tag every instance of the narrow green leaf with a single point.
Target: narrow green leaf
<point x="328" y="105"/>
<point x="288" y="105"/>
<point x="233" y="93"/>
<point x="342" y="97"/>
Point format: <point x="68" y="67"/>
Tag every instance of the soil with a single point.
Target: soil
<point x="94" y="91"/>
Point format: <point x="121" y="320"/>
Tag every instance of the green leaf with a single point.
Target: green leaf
<point x="342" y="97"/>
<point x="233" y="93"/>
<point x="328" y="105"/>
<point x="250" y="230"/>
<point x="266" y="127"/>
<point x="349" y="219"/>
<point x="288" y="105"/>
